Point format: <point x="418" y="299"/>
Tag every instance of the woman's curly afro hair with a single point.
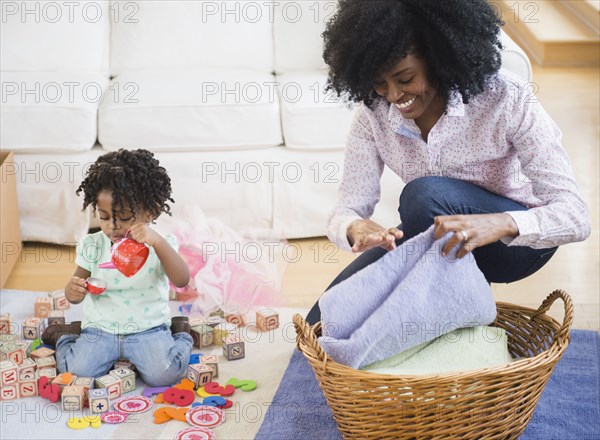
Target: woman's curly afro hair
<point x="134" y="177"/>
<point x="458" y="39"/>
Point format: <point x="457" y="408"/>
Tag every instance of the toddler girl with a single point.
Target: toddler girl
<point x="131" y="319"/>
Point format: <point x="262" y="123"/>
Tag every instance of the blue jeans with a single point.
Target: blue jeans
<point x="427" y="197"/>
<point x="161" y="358"/>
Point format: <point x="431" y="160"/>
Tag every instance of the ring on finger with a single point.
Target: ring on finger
<point x="465" y="236"/>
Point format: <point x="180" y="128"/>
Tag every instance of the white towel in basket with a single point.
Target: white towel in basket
<point x="411" y="295"/>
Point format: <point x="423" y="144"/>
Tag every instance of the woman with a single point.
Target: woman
<point x="479" y="155"/>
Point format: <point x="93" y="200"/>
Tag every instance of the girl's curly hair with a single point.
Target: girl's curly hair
<point x="134" y="177"/>
<point x="458" y="39"/>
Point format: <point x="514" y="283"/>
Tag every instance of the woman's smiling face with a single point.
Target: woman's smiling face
<point x="407" y="87"/>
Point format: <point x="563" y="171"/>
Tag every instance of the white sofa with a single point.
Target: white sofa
<point x="228" y="94"/>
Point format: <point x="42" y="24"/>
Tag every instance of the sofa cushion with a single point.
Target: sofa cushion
<point x="190" y="110"/>
<point x="311" y="118"/>
<point x="47" y="35"/>
<point x="50" y="111"/>
<point x="297" y="29"/>
<point x="178" y="34"/>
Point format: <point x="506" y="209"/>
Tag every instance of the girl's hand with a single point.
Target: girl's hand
<point x="76" y="290"/>
<point x="473" y="231"/>
<point x="366" y="234"/>
<point x="143" y="233"/>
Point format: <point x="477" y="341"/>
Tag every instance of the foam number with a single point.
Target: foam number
<point x="244" y="385"/>
<point x="163" y="415"/>
<point x="94" y="421"/>
<point x="215" y="388"/>
<point x="203" y="393"/>
<point x="78" y="423"/>
<point x="185" y="384"/>
<point x="178" y="397"/>
<point x="84" y="422"/>
<point x="48" y="390"/>
<point x="218" y="401"/>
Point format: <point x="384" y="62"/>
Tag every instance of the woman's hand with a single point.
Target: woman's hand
<point x="473" y="231"/>
<point x="366" y="234"/>
<point x="142" y="233"/>
<point x="76" y="290"/>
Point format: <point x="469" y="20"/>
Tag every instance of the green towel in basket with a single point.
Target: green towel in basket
<point x="460" y="350"/>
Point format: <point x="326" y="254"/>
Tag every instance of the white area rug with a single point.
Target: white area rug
<point x="267" y="356"/>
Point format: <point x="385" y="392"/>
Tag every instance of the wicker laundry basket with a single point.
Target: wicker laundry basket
<point x="490" y="403"/>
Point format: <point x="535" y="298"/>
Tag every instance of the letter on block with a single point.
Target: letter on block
<point x="12" y="352"/>
<point x="112" y="384"/>
<point x="127" y="378"/>
<point x="200" y="374"/>
<point x="33" y="328"/>
<point x="59" y="300"/>
<point x="267" y="319"/>
<point x="9" y="373"/>
<point x="5" y="324"/>
<point x="55" y="317"/>
<point x="72" y="398"/>
<point x="213" y="362"/>
<point x="202" y="335"/>
<point x="98" y="400"/>
<point x="9" y="392"/>
<point x="42" y="307"/>
<point x="233" y="348"/>
<point x="28" y="388"/>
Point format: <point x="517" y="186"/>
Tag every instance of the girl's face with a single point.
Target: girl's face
<point x="406" y="86"/>
<point x="125" y="218"/>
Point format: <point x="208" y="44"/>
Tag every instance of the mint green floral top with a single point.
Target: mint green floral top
<point x="128" y="305"/>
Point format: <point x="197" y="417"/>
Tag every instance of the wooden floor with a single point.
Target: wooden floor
<point x="571" y="96"/>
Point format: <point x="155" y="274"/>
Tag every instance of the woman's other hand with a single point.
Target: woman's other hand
<point x="366" y="234"/>
<point x="473" y="231"/>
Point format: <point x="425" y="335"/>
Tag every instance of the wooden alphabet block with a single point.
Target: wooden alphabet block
<point x="222" y="331"/>
<point x="200" y="374"/>
<point x="45" y="362"/>
<point x="236" y="318"/>
<point x="86" y="383"/>
<point x="42" y="307"/>
<point x="41" y="352"/>
<point x="72" y="398"/>
<point x="27" y="370"/>
<point x="49" y="372"/>
<point x="9" y="392"/>
<point x="26" y="346"/>
<point x="8" y="338"/>
<point x="28" y="388"/>
<point x="213" y="362"/>
<point x="196" y="320"/>
<point x="55" y="317"/>
<point x="112" y="384"/>
<point x="127" y="378"/>
<point x="202" y="335"/>
<point x="33" y="328"/>
<point x="59" y="300"/>
<point x="5" y="324"/>
<point x="64" y="380"/>
<point x="214" y="320"/>
<point x="267" y="319"/>
<point x="9" y="373"/>
<point x="125" y="363"/>
<point x="98" y="400"/>
<point x="12" y="352"/>
<point x="233" y="348"/>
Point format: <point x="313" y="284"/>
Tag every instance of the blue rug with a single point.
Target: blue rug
<point x="569" y="407"/>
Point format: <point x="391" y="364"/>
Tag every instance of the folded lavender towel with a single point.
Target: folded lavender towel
<point x="411" y="295"/>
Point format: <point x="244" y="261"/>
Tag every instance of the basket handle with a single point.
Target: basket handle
<point x="306" y="334"/>
<point x="563" y="330"/>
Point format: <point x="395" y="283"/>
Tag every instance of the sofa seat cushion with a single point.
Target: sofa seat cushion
<point x="312" y="119"/>
<point x="190" y="110"/>
<point x="50" y="111"/>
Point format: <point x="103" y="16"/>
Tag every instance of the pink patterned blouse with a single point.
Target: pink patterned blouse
<point x="503" y="141"/>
